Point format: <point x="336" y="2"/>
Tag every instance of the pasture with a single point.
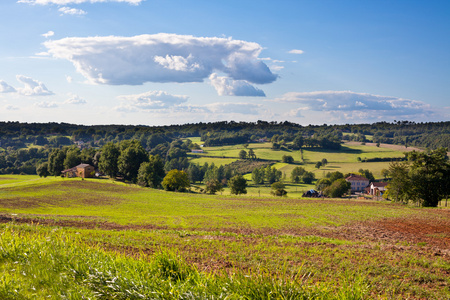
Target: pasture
<point x="77" y="238"/>
<point x="344" y="160"/>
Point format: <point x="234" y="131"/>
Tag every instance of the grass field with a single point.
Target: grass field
<point x="71" y="238"/>
<point x="344" y="160"/>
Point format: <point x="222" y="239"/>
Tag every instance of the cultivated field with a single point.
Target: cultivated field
<point x="72" y="238"/>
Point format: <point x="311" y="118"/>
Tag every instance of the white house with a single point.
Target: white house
<point x="358" y="183"/>
<point x="377" y="188"/>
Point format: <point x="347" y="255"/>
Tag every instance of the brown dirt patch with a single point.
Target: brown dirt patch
<point x="64" y="194"/>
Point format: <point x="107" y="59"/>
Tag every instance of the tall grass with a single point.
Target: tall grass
<point x="38" y="264"/>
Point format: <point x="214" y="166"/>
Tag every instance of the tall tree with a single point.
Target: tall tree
<point x="238" y="185"/>
<point x="429" y="175"/>
<point x="151" y="173"/>
<point x="130" y="159"/>
<point x="56" y="162"/>
<point x="108" y="159"/>
<point x="176" y="180"/>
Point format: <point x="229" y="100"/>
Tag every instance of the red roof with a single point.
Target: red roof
<point x="354" y="177"/>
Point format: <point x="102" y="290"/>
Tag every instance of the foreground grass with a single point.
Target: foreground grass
<point x="36" y="264"/>
<point x="95" y="239"/>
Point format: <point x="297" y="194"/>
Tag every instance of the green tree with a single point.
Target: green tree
<point x="242" y="154"/>
<point x="399" y="187"/>
<point x="323" y="183"/>
<point x="324" y="162"/>
<point x="429" y="176"/>
<point x="176" y="180"/>
<point x="56" y="162"/>
<point x="318" y="164"/>
<point x="278" y="189"/>
<point x="251" y="154"/>
<point x="42" y="170"/>
<point x="385" y="173"/>
<point x="130" y="159"/>
<point x="297" y="173"/>
<point x="213" y="186"/>
<point x="366" y="173"/>
<point x="151" y="173"/>
<point x="308" y="177"/>
<point x="258" y="176"/>
<point x="73" y="158"/>
<point x="108" y="159"/>
<point x="333" y="176"/>
<point x="238" y="185"/>
<point x="288" y="159"/>
<point x="272" y="174"/>
<point x="338" y="188"/>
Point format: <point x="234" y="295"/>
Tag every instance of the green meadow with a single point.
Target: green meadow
<point x="344" y="160"/>
<point x="102" y="239"/>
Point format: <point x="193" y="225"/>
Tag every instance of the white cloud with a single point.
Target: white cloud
<point x="150" y="101"/>
<point x="45" y="104"/>
<point x="229" y="87"/>
<point x="48" y="34"/>
<point x="6" y="88"/>
<point x="66" y="2"/>
<point x="350" y="102"/>
<point x="32" y="87"/>
<point x="230" y="108"/>
<point x="42" y="54"/>
<point x="296" y="51"/>
<point x="69" y="79"/>
<point x="75" y="99"/>
<point x="71" y="11"/>
<point x="11" y="107"/>
<point x="161" y="58"/>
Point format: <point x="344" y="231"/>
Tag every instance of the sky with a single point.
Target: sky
<point x="163" y="62"/>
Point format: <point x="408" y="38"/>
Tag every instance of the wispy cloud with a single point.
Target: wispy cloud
<point x="233" y="108"/>
<point x="351" y="103"/>
<point x="229" y="87"/>
<point x="11" y="107"/>
<point x="32" y="87"/>
<point x="46" y="104"/>
<point x="149" y="101"/>
<point x="162" y="58"/>
<point x="75" y="99"/>
<point x="296" y="51"/>
<point x="48" y="34"/>
<point x="71" y="11"/>
<point x="6" y="88"/>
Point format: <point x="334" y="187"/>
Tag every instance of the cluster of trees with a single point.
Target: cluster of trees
<point x="333" y="184"/>
<point x="299" y="174"/>
<point x="424" y="178"/>
<point x="267" y="174"/>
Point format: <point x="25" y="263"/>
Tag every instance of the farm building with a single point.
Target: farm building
<point x="358" y="183"/>
<point x="82" y="170"/>
<point x="377" y="188"/>
<point x="197" y="151"/>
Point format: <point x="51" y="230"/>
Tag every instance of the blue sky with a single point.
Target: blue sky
<point x="173" y="62"/>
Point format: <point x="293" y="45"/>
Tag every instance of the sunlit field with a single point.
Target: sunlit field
<point x="90" y="238"/>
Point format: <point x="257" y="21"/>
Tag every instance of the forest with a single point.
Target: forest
<point x="25" y="146"/>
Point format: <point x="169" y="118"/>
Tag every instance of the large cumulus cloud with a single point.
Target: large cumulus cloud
<point x="347" y="101"/>
<point x="229" y="87"/>
<point x="161" y="58"/>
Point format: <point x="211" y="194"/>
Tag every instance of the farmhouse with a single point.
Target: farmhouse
<point x="82" y="170"/>
<point x="358" y="183"/>
<point x="377" y="188"/>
